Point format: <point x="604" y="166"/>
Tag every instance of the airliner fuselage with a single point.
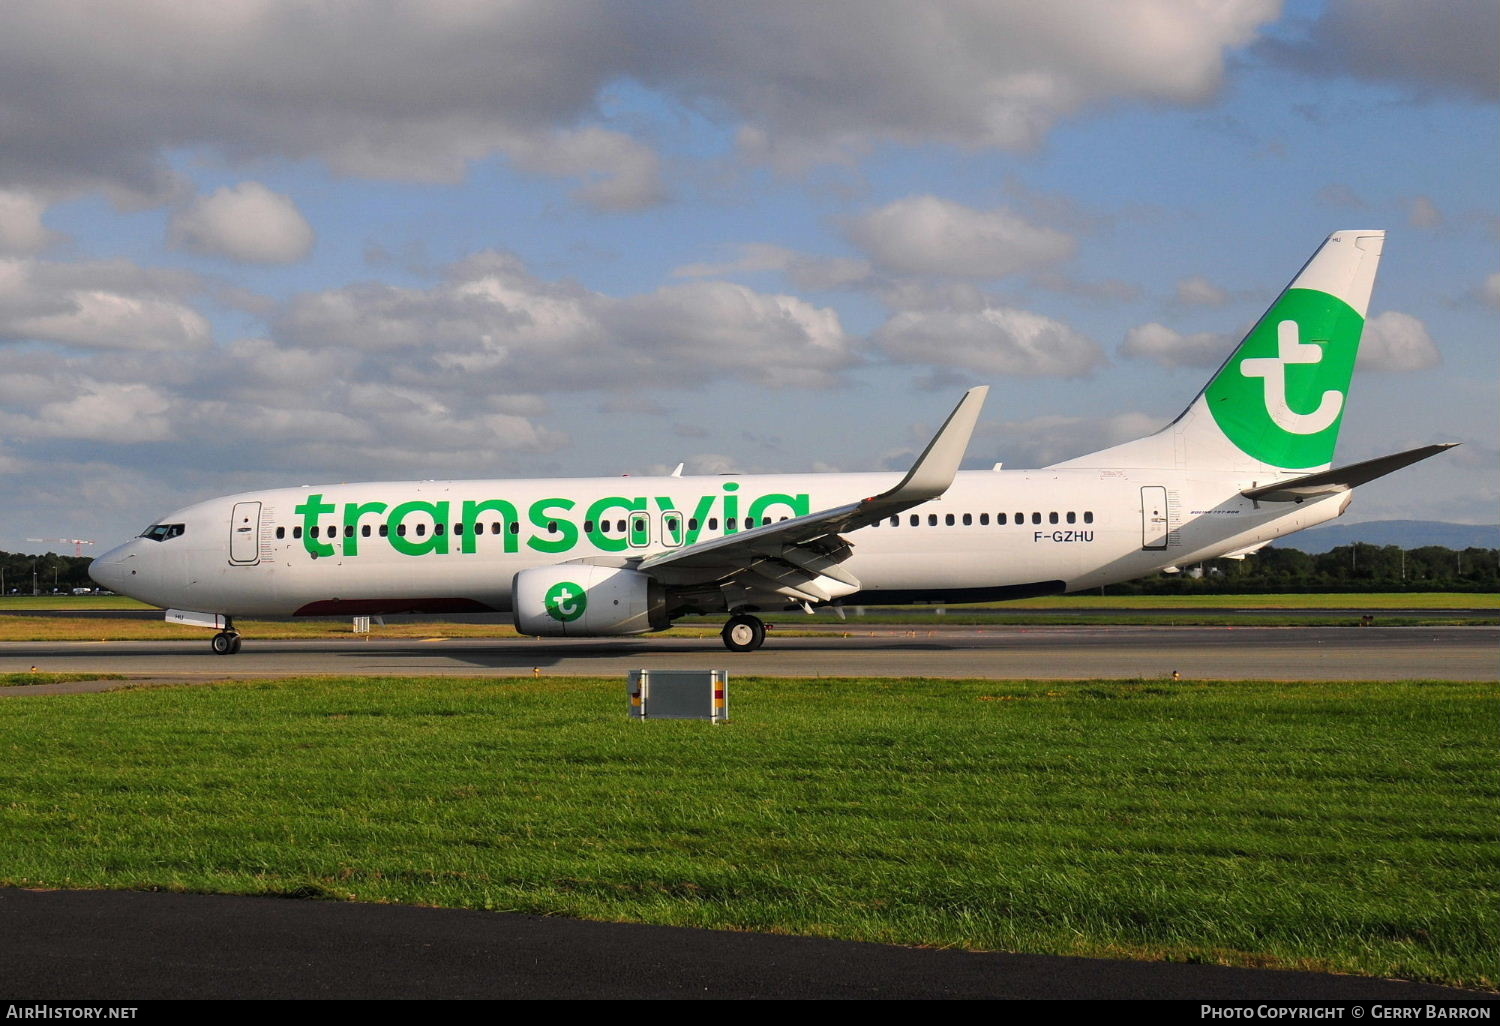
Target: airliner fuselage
<point x="454" y="546"/>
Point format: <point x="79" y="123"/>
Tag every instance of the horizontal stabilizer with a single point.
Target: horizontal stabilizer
<point x="1341" y="479"/>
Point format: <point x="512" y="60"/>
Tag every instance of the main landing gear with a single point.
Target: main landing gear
<point x="227" y="641"/>
<point x="743" y="633"/>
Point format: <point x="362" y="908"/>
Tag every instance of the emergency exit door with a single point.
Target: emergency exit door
<point x="1154" y="524"/>
<point x="244" y="533"/>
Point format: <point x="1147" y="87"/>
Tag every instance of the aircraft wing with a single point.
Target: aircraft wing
<point x="790" y="556"/>
<point x="1341" y="479"/>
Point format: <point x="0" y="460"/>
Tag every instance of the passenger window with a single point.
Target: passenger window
<point x="729" y="524"/>
<point x="1000" y="518"/>
<point x="915" y="520"/>
<point x="620" y="526"/>
<point x="692" y="523"/>
<point x="932" y="520"/>
<point x="348" y="530"/>
<point x="1036" y="518"/>
<point x="385" y="530"/>
<point x="296" y="532"/>
<point x="895" y="521"/>
<point x="280" y="532"/>
<point x="1072" y="517"/>
<point x="515" y="528"/>
<point x="588" y="527"/>
<point x="1088" y="517"/>
<point x="437" y="528"/>
<point x="365" y="531"/>
<point x="1051" y="518"/>
<point x="968" y="519"/>
<point x="948" y="520"/>
<point x="984" y="520"/>
<point x="401" y="530"/>
<point x="713" y="523"/>
<point x="458" y="528"/>
<point x="552" y="527"/>
<point x="421" y="530"/>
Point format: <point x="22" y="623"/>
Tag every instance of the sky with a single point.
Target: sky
<point x="261" y="243"/>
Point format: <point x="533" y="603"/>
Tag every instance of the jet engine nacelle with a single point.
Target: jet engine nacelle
<point x="577" y="600"/>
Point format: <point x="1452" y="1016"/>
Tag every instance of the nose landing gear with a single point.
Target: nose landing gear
<point x="743" y="633"/>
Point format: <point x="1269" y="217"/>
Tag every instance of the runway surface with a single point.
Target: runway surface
<point x="117" y="945"/>
<point x="1056" y="653"/>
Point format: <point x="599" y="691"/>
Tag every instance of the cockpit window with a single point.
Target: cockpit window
<point x="161" y="532"/>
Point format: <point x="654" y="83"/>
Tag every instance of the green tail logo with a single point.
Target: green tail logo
<point x="1280" y="398"/>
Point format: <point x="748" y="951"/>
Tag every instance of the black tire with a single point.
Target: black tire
<point x="225" y="643"/>
<point x="743" y="633"/>
<point x="234" y="648"/>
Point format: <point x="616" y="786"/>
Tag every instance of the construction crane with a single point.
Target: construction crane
<point x="77" y="543"/>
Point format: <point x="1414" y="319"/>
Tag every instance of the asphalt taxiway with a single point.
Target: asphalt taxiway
<point x="117" y="945"/>
<point x="1039" y="652"/>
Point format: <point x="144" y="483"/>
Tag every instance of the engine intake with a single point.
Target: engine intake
<point x="578" y="600"/>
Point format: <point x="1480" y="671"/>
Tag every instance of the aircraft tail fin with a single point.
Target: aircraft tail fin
<point x="1277" y="403"/>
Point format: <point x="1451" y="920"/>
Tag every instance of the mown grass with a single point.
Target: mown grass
<point x="1347" y="827"/>
<point x="1351" y="600"/>
<point x="14" y="680"/>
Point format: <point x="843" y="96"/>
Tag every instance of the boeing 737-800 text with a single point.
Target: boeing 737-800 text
<point x="1248" y="461"/>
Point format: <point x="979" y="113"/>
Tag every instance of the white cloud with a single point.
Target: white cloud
<point x="490" y="320"/>
<point x="412" y="89"/>
<point x="1423" y="213"/>
<point x="244" y="222"/>
<point x="1397" y="342"/>
<point x="843" y="74"/>
<point x="812" y="273"/>
<point x="1168" y="348"/>
<point x="1041" y="441"/>
<point x="1341" y="195"/>
<point x="1199" y="291"/>
<point x="995" y="340"/>
<point x="21" y="228"/>
<point x="929" y="235"/>
<point x="620" y="174"/>
<point x="1489" y="292"/>
<point x="105" y="305"/>
<point x="1447" y="46"/>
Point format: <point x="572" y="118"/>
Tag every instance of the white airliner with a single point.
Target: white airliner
<point x="1248" y="461"/>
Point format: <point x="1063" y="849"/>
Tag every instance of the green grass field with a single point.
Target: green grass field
<point x="1089" y="610"/>
<point x="1067" y="603"/>
<point x="1347" y="827"/>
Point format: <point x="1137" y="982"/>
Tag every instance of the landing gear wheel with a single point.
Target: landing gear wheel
<point x="743" y="633"/>
<point x="226" y="643"/>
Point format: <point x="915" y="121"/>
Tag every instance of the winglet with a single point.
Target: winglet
<point x="933" y="472"/>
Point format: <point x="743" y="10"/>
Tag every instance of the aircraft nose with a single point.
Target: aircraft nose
<point x="110" y="570"/>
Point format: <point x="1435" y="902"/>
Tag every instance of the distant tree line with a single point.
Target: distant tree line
<point x="1357" y="567"/>
<point x="49" y="572"/>
<point x="1354" y="568"/>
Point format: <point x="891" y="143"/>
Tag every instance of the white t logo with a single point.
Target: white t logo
<point x="1273" y="369"/>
